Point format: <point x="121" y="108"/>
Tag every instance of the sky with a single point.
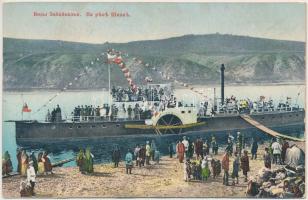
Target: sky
<point x="149" y="21"/>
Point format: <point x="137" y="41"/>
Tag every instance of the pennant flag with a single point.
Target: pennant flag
<point x="25" y="108"/>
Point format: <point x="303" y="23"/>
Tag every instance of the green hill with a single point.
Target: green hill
<point x="193" y="59"/>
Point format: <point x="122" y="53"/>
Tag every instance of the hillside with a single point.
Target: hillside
<point x="193" y="59"/>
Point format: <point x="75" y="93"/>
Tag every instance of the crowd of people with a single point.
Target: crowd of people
<point x="27" y="166"/>
<point x="150" y="93"/>
<point x="199" y="159"/>
<point x="232" y="105"/>
<point x="55" y="115"/>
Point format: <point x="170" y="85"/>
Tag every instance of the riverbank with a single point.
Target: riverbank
<point x="157" y="180"/>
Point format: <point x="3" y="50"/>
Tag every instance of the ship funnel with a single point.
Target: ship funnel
<point x="222" y="81"/>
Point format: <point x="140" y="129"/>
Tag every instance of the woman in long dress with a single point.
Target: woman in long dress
<point x="7" y="166"/>
<point x="41" y="167"/>
<point x="24" y="163"/>
<point x="89" y="161"/>
<point x="47" y="163"/>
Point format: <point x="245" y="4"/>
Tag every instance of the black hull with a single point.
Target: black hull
<point x="287" y="123"/>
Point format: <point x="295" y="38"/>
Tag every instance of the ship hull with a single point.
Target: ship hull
<point x="287" y="123"/>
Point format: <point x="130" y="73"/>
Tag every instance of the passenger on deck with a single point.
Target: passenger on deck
<point x="129" y="111"/>
<point x="58" y="114"/>
<point x="48" y="116"/>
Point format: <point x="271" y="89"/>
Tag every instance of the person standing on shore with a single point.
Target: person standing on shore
<point x="190" y="148"/>
<point x="267" y="158"/>
<point x="225" y="167"/>
<point x="284" y="148"/>
<point x="136" y="154"/>
<point x="142" y="156"/>
<point x="116" y="156"/>
<point x="236" y="168"/>
<point x="18" y="156"/>
<point x="199" y="147"/>
<point x="33" y="158"/>
<point x="186" y="144"/>
<point x="7" y="166"/>
<point x="170" y="149"/>
<point x="89" y="161"/>
<point x="41" y="167"/>
<point x="254" y="149"/>
<point x="31" y="176"/>
<point x="80" y="160"/>
<point x="47" y="163"/>
<point x="153" y="149"/>
<point x="24" y="163"/>
<point x="277" y="152"/>
<point x="205" y="171"/>
<point x="147" y="153"/>
<point x="180" y="151"/>
<point x="156" y="156"/>
<point x="245" y="164"/>
<point x="187" y="170"/>
<point x="239" y="143"/>
<point x="129" y="162"/>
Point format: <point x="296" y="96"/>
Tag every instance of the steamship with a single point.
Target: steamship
<point x="179" y="119"/>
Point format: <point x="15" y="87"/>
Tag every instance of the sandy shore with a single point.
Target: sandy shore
<point x="162" y="180"/>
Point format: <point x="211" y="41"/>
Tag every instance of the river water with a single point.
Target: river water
<point x="13" y="101"/>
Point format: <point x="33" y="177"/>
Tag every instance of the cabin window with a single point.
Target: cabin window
<point x="183" y="112"/>
<point x="103" y="126"/>
<point x="189" y="111"/>
<point x="79" y="126"/>
<point x="118" y="125"/>
<point x="93" y="126"/>
<point x="296" y="115"/>
<point x="262" y="117"/>
<point x="290" y="115"/>
<point x="70" y="127"/>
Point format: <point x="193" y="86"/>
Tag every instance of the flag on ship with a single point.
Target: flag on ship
<point x="25" y="108"/>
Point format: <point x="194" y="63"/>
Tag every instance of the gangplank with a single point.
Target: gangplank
<point x="271" y="132"/>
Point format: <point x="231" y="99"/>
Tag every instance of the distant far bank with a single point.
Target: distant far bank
<point x="176" y="87"/>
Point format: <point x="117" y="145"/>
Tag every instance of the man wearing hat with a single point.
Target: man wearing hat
<point x="31" y="176"/>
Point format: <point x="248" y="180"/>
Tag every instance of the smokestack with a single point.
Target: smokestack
<point x="222" y="79"/>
